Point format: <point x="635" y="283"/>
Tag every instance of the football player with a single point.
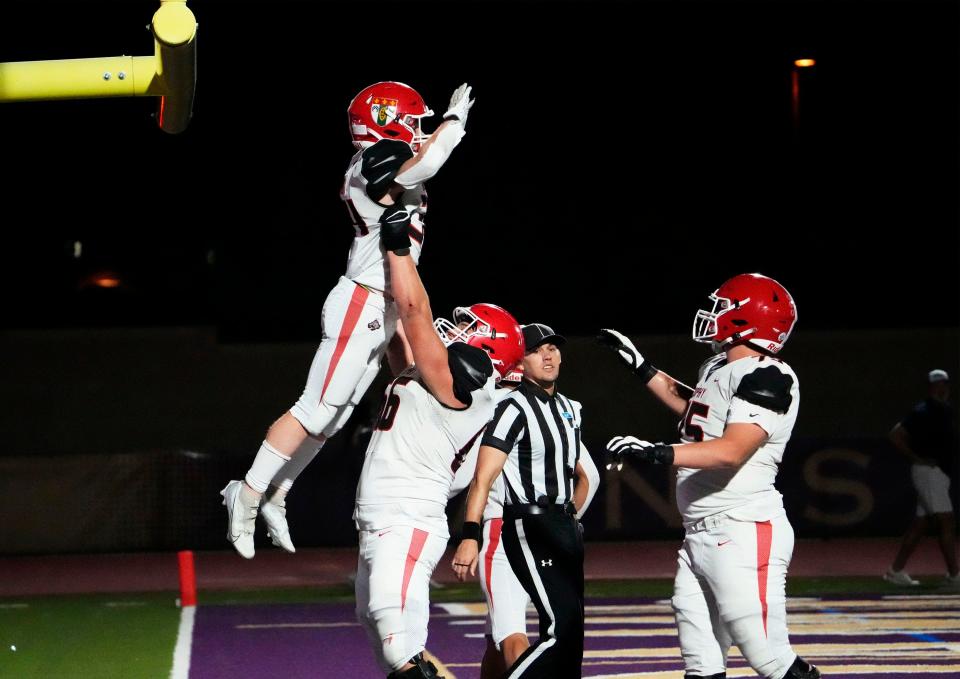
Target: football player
<point x="433" y="413"/>
<point x="359" y="319"/>
<point x="734" y="426"/>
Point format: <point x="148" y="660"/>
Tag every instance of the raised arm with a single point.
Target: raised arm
<point x="431" y="156"/>
<point x="671" y="392"/>
<point x="413" y="307"/>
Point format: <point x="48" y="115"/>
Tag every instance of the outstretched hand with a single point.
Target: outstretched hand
<point x="655" y="453"/>
<point x="623" y="346"/>
<point x="460" y="105"/>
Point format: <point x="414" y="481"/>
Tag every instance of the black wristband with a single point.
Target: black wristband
<point x="646" y="371"/>
<point x="471" y="531"/>
<point x="661" y="454"/>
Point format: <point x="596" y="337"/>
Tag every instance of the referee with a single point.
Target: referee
<point x="534" y="439"/>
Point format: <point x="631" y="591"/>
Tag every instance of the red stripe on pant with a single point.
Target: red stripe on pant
<point x="413" y="555"/>
<point x="764" y="538"/>
<point x="496" y="525"/>
<point x="354" y="309"/>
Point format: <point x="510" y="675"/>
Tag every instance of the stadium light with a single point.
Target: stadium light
<point x="795" y="87"/>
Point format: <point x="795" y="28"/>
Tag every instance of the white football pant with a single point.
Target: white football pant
<point x="393" y="590"/>
<point x="731" y="589"/>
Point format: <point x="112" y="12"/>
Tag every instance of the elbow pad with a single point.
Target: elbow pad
<point x="439" y="149"/>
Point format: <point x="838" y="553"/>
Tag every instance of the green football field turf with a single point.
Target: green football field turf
<point x="133" y="635"/>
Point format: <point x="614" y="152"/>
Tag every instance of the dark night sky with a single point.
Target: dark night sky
<point x="621" y="161"/>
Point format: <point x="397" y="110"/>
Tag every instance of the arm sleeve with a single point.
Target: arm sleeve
<point x="440" y="148"/>
<point x="380" y="165"/>
<point x="506" y="427"/>
<point x="763" y="397"/>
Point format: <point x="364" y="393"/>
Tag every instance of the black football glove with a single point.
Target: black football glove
<point x="395" y="230"/>
<point x="654" y="453"/>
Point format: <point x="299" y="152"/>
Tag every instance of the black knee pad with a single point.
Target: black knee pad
<point x="801" y="669"/>
<point x="719" y="675"/>
<point x="422" y="669"/>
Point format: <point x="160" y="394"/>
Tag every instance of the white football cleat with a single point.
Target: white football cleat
<point x="241" y="520"/>
<point x="275" y="515"/>
<point x="899" y="578"/>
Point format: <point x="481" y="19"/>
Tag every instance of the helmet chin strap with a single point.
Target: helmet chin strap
<point x="735" y="338"/>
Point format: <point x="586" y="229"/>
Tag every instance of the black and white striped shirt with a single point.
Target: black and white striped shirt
<point x="541" y="436"/>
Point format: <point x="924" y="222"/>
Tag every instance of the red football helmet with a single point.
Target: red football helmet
<point x="487" y="327"/>
<point x="749" y="307"/>
<point x="387" y="110"/>
<point x="514" y="377"/>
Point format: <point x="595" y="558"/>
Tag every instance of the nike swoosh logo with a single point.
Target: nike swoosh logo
<point x="754" y="414"/>
<point x="385" y="160"/>
<point x="721" y="544"/>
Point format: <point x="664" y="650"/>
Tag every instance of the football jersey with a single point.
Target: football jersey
<point x="369" y="176"/>
<point x="540" y="433"/>
<point x="464" y="474"/>
<point x="416" y="448"/>
<point x="759" y="390"/>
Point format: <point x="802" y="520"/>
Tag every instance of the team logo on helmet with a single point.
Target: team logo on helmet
<point x="383" y="110"/>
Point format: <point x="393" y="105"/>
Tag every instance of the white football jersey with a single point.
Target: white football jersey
<point x="464" y="475"/>
<point x="758" y="390"/>
<point x="366" y="263"/>
<point x="416" y="448"/>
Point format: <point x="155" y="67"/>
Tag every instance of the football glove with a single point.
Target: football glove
<point x="627" y="353"/>
<point x="654" y="453"/>
<point x="395" y="230"/>
<point x="460" y="104"/>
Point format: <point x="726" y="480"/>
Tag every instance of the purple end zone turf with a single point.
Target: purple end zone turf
<point x="323" y="640"/>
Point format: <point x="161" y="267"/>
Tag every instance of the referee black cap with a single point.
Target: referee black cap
<point x="536" y="334"/>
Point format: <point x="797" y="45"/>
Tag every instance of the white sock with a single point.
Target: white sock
<point x="303" y="456"/>
<point x="265" y="466"/>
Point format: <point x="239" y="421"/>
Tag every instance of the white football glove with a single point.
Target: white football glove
<point x="460" y="105"/>
<point x="623" y="346"/>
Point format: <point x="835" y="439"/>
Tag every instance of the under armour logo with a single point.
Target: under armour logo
<point x="546" y="562"/>
<point x="374" y="324"/>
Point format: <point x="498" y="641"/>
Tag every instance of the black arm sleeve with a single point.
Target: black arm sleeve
<point x="470" y="367"/>
<point x="381" y="163"/>
<point x="768" y="388"/>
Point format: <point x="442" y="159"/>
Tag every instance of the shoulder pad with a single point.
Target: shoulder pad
<point x="471" y="368"/>
<point x="711" y="364"/>
<point x="768" y="388"/>
<point x="381" y="163"/>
